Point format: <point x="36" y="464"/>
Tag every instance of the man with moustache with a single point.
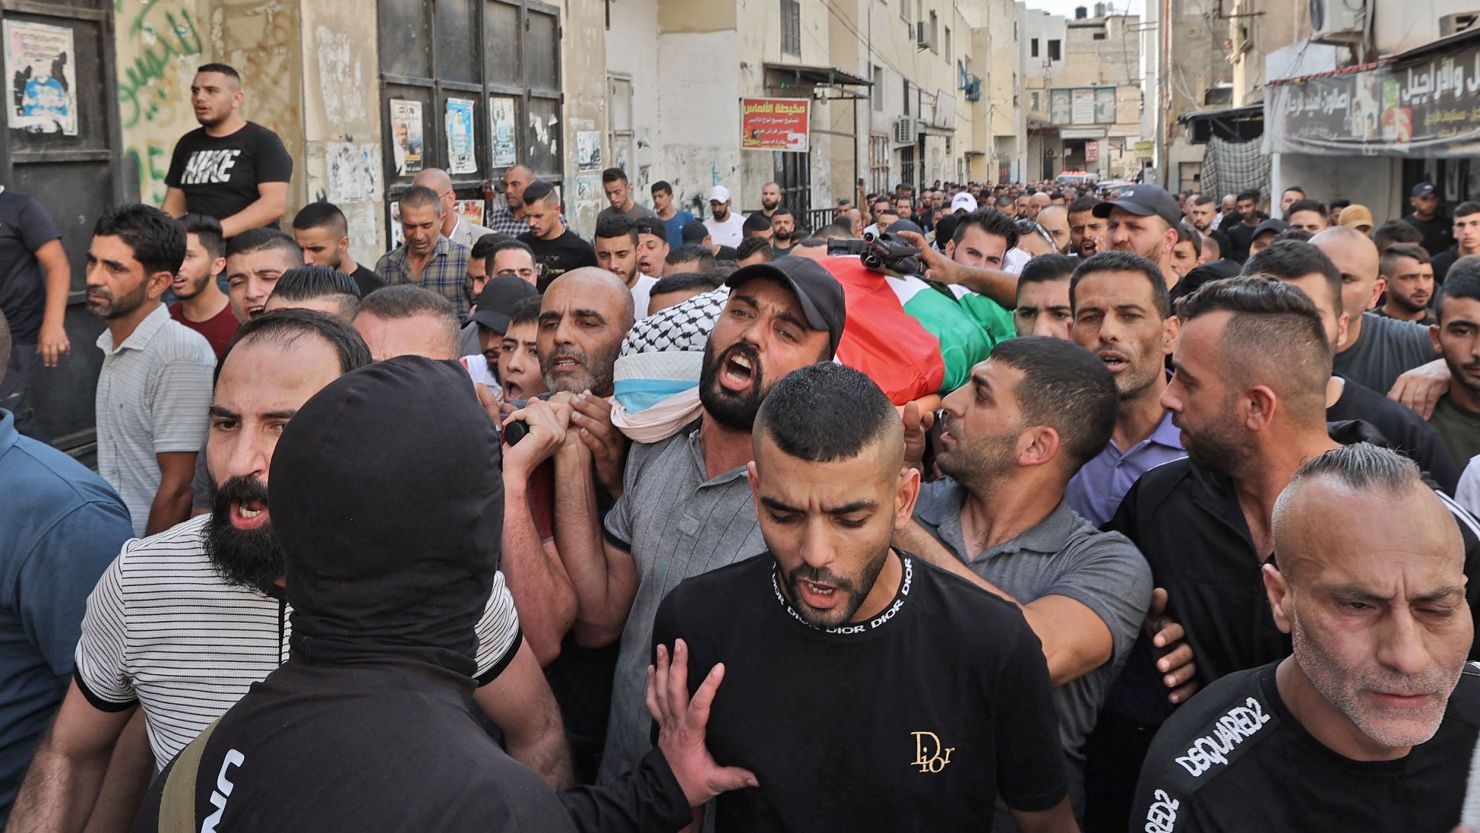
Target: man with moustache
<point x="427" y="258"/>
<point x="1369" y="724"/>
<point x="1144" y="220"/>
<point x="187" y="649"/>
<point x="920" y="697"/>
<point x="684" y="507"/>
<point x="1086" y="230"/>
<point x="155" y="381"/>
<point x="508" y="216"/>
<point x="202" y="306"/>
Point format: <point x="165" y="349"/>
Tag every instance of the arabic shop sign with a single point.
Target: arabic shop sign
<point x="1425" y="107"/>
<point x="774" y="124"/>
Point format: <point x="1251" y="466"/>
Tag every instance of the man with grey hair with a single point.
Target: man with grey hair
<point x="1376" y="701"/>
<point x="454" y="227"/>
<point x="408" y="320"/>
<point x="427" y="259"/>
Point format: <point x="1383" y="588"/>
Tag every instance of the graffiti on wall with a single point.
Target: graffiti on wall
<point x="159" y="45"/>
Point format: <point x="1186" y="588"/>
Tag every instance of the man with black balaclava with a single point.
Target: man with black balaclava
<point x="368" y="726"/>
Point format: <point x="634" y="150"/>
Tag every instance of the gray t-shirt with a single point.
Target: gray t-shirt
<point x="1062" y="556"/>
<point x="678" y="523"/>
<point x="1386" y="349"/>
<point x="637" y="210"/>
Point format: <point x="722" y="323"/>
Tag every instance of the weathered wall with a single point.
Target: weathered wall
<point x="158" y="44"/>
<point x="342" y="127"/>
<point x="704" y="104"/>
<point x="631" y="44"/>
<point x="583" y="77"/>
<point x="261" y="38"/>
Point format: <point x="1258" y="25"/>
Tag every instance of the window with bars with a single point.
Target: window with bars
<point x="878" y="157"/>
<point x="791" y="27"/>
<point x="907" y="165"/>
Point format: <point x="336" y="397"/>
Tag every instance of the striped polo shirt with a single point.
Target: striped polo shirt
<point x="153" y="396"/>
<point x="166" y="631"/>
<point x="677" y="522"/>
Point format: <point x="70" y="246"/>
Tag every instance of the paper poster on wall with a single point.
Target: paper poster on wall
<point x="588" y="150"/>
<point x="42" y="93"/>
<point x="503" y="131"/>
<point x="471" y="210"/>
<point x="461" y="154"/>
<point x="397" y="235"/>
<point x="354" y="172"/>
<point x="406" y="139"/>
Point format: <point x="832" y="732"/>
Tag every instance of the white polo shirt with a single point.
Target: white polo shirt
<point x="153" y="397"/>
<point x="165" y="631"/>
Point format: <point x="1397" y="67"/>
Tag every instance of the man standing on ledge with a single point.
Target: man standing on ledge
<point x="231" y="169"/>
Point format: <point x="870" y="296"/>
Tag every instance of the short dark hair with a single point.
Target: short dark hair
<point x="662" y="186"/>
<point x="1083" y="204"/>
<point x="1396" y="231"/>
<point x="525" y="311"/>
<point x="1188" y="234"/>
<point x="1004" y="201"/>
<point x="1291" y="235"/>
<point x="613" y="175"/>
<point x="1202" y="199"/>
<point x="287" y="326"/>
<point x="1467" y="208"/>
<point x="754" y="245"/>
<point x="207" y="230"/>
<point x="832" y="230"/>
<point x="1296" y="188"/>
<point x="1065" y="387"/>
<point x="1462" y="281"/>
<point x="156" y="239"/>
<point x="324" y="215"/>
<point x="503" y="245"/>
<point x="782" y="211"/>
<point x="257" y="239"/>
<point x="1276" y="329"/>
<point x="224" y="69"/>
<point x="1047" y="269"/>
<point x="1249" y="194"/>
<point x="1399" y="250"/>
<point x="1337" y="205"/>
<point x="991" y="221"/>
<point x="305" y="283"/>
<point x="1116" y="261"/>
<point x="420" y="196"/>
<point x="616" y="225"/>
<point x="540" y="192"/>
<point x="757" y="222"/>
<point x="691" y="251"/>
<point x="484" y="247"/>
<point x="1306" y="205"/>
<point x="684" y="281"/>
<point x="825" y="412"/>
<point x="651" y="225"/>
<point x="1291" y="259"/>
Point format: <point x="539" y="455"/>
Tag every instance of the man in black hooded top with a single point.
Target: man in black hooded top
<point x="391" y="541"/>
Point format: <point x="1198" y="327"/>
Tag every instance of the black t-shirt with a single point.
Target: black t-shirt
<point x="1403" y="429"/>
<point x="558" y="256"/>
<point x="24" y="227"/>
<point x="1235" y="759"/>
<point x="220" y="175"/>
<point x="1438" y="233"/>
<point x="366" y="279"/>
<point x="916" y="720"/>
<point x="1241" y="236"/>
<point x="1441" y="263"/>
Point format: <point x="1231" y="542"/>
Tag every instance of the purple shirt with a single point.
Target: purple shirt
<point x="1096" y="491"/>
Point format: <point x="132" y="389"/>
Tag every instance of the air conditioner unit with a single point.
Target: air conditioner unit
<point x="1338" y="21"/>
<point x="1451" y="24"/>
<point x="904" y="131"/>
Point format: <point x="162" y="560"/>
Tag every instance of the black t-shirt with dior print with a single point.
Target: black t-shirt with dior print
<point x="916" y="720"/>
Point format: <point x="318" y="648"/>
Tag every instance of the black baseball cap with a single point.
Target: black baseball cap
<point x="695" y="232"/>
<point x="1273" y="224"/>
<point x="497" y="300"/>
<point x="1423" y="189"/>
<point x="818" y="292"/>
<point x="1144" y="201"/>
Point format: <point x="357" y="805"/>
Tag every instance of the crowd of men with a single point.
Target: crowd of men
<point x="621" y="534"/>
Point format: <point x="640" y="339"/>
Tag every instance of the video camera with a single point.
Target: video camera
<point x="881" y="253"/>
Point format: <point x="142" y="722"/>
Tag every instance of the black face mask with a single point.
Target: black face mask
<point x="391" y="536"/>
<point x="247" y="557"/>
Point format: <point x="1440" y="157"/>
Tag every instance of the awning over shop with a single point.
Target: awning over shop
<point x="1423" y="103"/>
<point x="795" y="78"/>
<point x="1231" y="124"/>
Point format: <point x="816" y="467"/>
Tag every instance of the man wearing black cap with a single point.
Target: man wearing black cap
<point x="1265" y="233"/>
<point x="685" y="508"/>
<point x="1437" y="229"/>
<point x="491" y="320"/>
<point x="1143" y="220"/>
<point x="368" y="725"/>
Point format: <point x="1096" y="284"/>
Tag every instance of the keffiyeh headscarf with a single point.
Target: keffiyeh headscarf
<point x="656" y="377"/>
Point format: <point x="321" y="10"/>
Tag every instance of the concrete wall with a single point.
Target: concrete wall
<point x="631" y="50"/>
<point x="262" y="39"/>
<point x="703" y="149"/>
<point x="583" y="80"/>
<point x="1400" y="26"/>
<point x="158" y="44"/>
<point x="342" y="159"/>
<point x="1279" y="24"/>
<point x="1325" y="178"/>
